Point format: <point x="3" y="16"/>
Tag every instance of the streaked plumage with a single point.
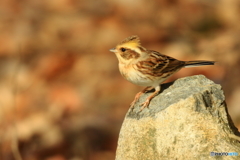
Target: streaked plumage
<point x="147" y="67"/>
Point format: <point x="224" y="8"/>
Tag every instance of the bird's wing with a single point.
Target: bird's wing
<point x="165" y="63"/>
<point x="158" y="64"/>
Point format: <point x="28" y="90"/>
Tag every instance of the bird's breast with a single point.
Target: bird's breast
<point x="131" y="73"/>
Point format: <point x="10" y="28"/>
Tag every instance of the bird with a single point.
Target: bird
<point x="148" y="68"/>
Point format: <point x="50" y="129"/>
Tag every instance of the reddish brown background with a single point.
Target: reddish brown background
<point x="61" y="94"/>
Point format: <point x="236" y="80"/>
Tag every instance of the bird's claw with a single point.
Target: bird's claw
<point x="144" y="105"/>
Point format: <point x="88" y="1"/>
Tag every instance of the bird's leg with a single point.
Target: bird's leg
<point x="146" y="103"/>
<point x="138" y="96"/>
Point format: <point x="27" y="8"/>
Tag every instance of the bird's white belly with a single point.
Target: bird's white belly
<point x="136" y="77"/>
<point x="139" y="79"/>
<point x="132" y="75"/>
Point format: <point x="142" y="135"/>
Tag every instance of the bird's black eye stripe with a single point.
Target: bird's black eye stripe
<point x="123" y="49"/>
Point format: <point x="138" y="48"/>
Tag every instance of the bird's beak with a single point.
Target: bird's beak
<point x="112" y="50"/>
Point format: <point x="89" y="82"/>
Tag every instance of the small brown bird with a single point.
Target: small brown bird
<point x="147" y="67"/>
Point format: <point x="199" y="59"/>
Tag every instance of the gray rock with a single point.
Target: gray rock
<point x="187" y="120"/>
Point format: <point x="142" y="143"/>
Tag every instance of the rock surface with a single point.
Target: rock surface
<point x="187" y="120"/>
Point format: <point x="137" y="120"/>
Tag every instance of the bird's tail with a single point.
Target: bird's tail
<point x="198" y="63"/>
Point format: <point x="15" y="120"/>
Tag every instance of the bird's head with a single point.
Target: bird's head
<point x="129" y="49"/>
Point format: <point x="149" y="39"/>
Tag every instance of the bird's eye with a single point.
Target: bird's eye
<point x="123" y="49"/>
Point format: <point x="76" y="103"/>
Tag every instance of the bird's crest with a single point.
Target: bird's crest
<point x="131" y="42"/>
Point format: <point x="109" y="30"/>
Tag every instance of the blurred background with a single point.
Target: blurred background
<point x="61" y="94"/>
